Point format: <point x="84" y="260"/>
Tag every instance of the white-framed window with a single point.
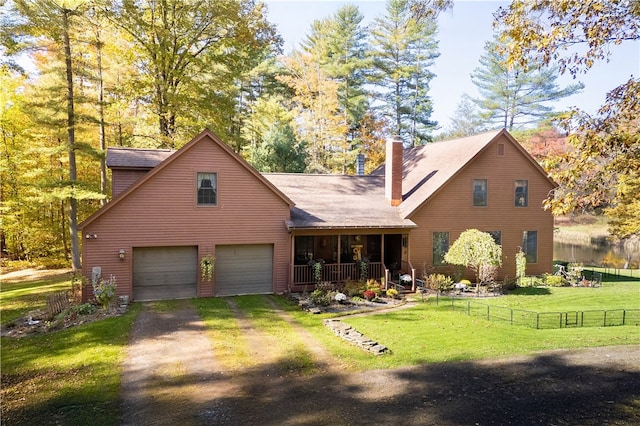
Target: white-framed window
<point x="521" y="193"/>
<point x="480" y="192"/>
<point x="207" y="189"/>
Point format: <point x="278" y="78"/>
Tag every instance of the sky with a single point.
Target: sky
<point x="462" y="33"/>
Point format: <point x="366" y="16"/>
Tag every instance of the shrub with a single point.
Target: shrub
<point x="369" y="294"/>
<point x="354" y="288"/>
<point x="392" y="292"/>
<point x="105" y="291"/>
<point x="438" y="282"/>
<point x="375" y="287"/>
<point x="554" y="280"/>
<point x="321" y="297"/>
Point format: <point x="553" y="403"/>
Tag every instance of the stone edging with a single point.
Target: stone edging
<point x="352" y="335"/>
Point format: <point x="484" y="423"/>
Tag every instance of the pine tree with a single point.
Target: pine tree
<point x="514" y="95"/>
<point x="403" y="49"/>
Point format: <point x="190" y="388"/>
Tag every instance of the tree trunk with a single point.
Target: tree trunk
<point x="103" y="139"/>
<point x="73" y="202"/>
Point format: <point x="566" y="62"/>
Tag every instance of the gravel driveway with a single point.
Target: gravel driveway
<point x="171" y="377"/>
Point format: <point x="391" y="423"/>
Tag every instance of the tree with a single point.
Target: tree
<point x="338" y="44"/>
<point x="190" y="54"/>
<point x="476" y="250"/>
<point x="279" y="152"/>
<point x="320" y="125"/>
<point x="466" y="120"/>
<point x="605" y="161"/>
<point x="512" y="94"/>
<point x="403" y="48"/>
<point x="55" y="21"/>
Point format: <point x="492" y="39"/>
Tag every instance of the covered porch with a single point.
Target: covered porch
<point x="342" y="256"/>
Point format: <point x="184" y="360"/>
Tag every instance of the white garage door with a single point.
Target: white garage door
<point x="244" y="269"/>
<point x="165" y="272"/>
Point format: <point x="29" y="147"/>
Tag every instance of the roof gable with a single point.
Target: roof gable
<point x="203" y="137"/>
<point x="428" y="168"/>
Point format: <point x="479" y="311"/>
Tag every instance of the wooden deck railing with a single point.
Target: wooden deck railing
<point x="337" y="273"/>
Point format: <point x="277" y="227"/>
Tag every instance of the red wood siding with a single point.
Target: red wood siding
<point x="163" y="212"/>
<point x="123" y="179"/>
<point x="451" y="210"/>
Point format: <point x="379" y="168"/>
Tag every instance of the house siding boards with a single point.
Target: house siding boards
<point x="156" y="207"/>
<point x="161" y="211"/>
<point x="451" y="208"/>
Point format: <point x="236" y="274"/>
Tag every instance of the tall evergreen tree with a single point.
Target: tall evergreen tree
<point x="513" y="95"/>
<point x="403" y="49"/>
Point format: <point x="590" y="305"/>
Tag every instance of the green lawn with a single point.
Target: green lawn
<point x="16" y="299"/>
<point x="620" y="295"/>
<point x="65" y="377"/>
<point x="73" y="376"/>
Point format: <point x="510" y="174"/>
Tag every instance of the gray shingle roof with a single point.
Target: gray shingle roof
<point x="136" y="158"/>
<point x="427" y="168"/>
<point x="337" y="201"/>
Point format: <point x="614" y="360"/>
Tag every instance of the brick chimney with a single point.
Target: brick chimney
<point x="393" y="171"/>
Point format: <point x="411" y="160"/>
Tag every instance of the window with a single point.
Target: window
<point x="479" y="192"/>
<point x="207" y="189"/>
<point x="530" y="246"/>
<point x="440" y="247"/>
<point x="497" y="236"/>
<point x="522" y="193"/>
<point x="500" y="149"/>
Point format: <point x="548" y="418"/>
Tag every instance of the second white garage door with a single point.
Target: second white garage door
<point x="244" y="269"/>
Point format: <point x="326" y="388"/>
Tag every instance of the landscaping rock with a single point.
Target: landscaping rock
<point x="352" y="335"/>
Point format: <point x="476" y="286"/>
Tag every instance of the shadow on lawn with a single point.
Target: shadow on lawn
<point x="540" y="390"/>
<point x="531" y="291"/>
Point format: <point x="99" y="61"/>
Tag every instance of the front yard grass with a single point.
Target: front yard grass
<point x="73" y="376"/>
<point x="66" y="377"/>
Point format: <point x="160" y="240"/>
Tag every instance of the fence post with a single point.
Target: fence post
<point x="511" y="310"/>
<point x="537" y="320"/>
<point x="488" y="315"/>
<point x="624" y="316"/>
<point x="581" y="318"/>
<point x="560" y="319"/>
<point x="604" y="319"/>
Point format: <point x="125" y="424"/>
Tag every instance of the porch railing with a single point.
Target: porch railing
<point x="337" y="273"/>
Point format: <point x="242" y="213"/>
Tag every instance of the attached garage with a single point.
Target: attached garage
<point x="165" y="272"/>
<point x="244" y="269"/>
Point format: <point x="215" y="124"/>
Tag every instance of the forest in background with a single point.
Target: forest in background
<point x="155" y="73"/>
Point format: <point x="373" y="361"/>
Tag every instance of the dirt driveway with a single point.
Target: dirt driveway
<point x="171" y="377"/>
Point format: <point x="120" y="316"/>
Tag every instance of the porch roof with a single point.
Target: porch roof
<point x="337" y="201"/>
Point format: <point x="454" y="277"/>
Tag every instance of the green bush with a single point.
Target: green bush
<point x="354" y="288"/>
<point x="322" y="297"/>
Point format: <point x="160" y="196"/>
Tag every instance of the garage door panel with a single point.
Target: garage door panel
<point x="164" y="272"/>
<point x="244" y="269"/>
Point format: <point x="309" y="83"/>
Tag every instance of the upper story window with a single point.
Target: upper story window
<point x="522" y="193"/>
<point x="479" y="192"/>
<point x="207" y="189"/>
